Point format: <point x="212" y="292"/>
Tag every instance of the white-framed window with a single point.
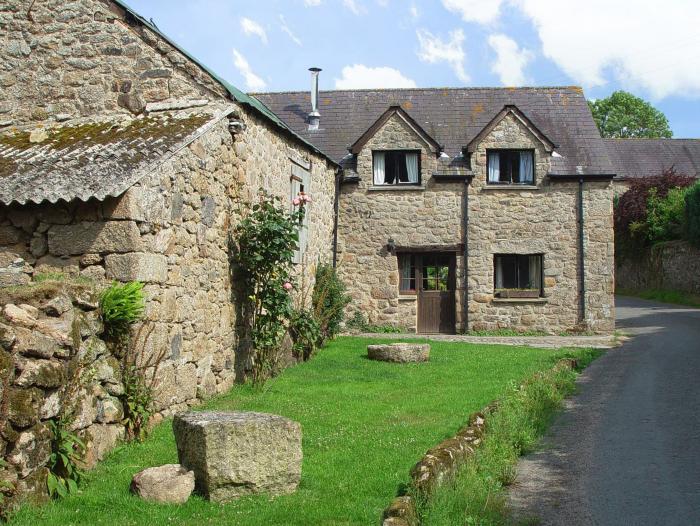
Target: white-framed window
<point x="510" y="167"/>
<point x="300" y="181"/>
<point x="396" y="167"/>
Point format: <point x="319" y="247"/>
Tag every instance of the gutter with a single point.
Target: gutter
<point x="465" y="253"/>
<point x="336" y="214"/>
<point x="581" y="255"/>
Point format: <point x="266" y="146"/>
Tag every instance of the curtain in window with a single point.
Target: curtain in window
<point x="535" y="281"/>
<point x="379" y="170"/>
<point x="499" y="272"/>
<point x="412" y="167"/>
<point x="526" y="175"/>
<point x="494" y="167"/>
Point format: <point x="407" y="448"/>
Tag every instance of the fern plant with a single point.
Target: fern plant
<point x="120" y="306"/>
<point x="66" y="451"/>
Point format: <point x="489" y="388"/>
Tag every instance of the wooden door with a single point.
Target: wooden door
<point x="436" y="293"/>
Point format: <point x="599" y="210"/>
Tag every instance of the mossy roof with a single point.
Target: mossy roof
<point x="93" y="159"/>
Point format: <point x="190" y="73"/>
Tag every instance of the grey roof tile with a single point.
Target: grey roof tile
<point x="648" y="157"/>
<point x="86" y="159"/>
<point x="452" y="116"/>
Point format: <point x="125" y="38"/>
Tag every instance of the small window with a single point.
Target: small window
<point x="510" y="167"/>
<point x="517" y="275"/>
<point x="407" y="273"/>
<point x="299" y="183"/>
<point x="396" y="167"/>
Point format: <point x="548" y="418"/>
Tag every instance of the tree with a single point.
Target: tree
<point x="624" y="115"/>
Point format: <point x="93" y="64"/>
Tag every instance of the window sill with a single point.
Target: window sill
<point x="408" y="297"/>
<point x="520" y="300"/>
<point x="396" y="188"/>
<point x="529" y="187"/>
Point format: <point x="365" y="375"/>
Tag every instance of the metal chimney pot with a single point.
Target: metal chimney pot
<point x="314" y="116"/>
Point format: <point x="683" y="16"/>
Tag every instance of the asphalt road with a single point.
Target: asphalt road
<point x="626" y="449"/>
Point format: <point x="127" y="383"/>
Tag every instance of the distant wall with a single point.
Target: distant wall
<point x="674" y="265"/>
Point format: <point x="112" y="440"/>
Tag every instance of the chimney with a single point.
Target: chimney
<point x="314" y="116"/>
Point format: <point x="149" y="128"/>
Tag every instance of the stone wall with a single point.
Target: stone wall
<point x="53" y="363"/>
<point x="538" y="219"/>
<point x="674" y="265"/>
<point x="61" y="60"/>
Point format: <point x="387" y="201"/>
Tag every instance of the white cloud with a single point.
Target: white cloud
<point x="251" y="27"/>
<point x="312" y="3"/>
<point x="511" y="60"/>
<point x="413" y="10"/>
<point x="252" y="81"/>
<point x="481" y="11"/>
<point x="284" y="27"/>
<point x="434" y="50"/>
<point x="651" y="45"/>
<point x="352" y="5"/>
<point x="359" y="76"/>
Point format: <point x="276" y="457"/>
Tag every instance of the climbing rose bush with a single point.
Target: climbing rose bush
<point x="265" y="241"/>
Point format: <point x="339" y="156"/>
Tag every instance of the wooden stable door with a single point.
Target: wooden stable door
<point x="436" y="293"/>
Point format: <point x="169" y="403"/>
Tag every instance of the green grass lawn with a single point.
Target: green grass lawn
<point x="365" y="424"/>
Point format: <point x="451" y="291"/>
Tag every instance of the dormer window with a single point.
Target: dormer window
<point x="396" y="167"/>
<point x="510" y="167"/>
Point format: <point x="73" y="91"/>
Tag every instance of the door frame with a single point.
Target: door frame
<point x="447" y="300"/>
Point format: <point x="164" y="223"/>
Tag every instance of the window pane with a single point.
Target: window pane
<point x="407" y="272"/>
<point x="518" y="271"/>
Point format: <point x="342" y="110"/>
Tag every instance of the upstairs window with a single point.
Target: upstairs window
<point x="396" y="167"/>
<point x="510" y="167"/>
<point x="518" y="275"/>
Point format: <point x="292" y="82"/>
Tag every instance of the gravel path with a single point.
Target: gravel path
<point x="626" y="449"/>
<point x="546" y="342"/>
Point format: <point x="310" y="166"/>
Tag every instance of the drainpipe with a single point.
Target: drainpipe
<point x="465" y="255"/>
<point x="581" y="255"/>
<point x="336" y="213"/>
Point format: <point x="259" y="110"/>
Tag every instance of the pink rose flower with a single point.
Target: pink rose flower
<point x="287" y="286"/>
<point x="296" y="201"/>
<point x="306" y="198"/>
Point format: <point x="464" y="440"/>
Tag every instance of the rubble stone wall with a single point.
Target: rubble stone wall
<point x="674" y="265"/>
<point x="541" y="219"/>
<point x="53" y="364"/>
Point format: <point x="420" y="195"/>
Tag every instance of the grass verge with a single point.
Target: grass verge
<point x="675" y="297"/>
<point x="476" y="494"/>
<point x="365" y="424"/>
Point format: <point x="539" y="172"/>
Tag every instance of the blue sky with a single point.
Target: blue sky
<point x="648" y="47"/>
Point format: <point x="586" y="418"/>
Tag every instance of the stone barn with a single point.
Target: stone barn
<point x="123" y="158"/>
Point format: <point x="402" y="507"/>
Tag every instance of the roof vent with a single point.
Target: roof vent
<point x="314" y="116"/>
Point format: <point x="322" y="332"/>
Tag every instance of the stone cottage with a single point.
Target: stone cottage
<point x="123" y="158"/>
<point x="468" y="209"/>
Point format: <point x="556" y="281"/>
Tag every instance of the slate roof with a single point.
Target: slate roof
<point x="453" y="117"/>
<point x="85" y="159"/>
<point x="646" y="157"/>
